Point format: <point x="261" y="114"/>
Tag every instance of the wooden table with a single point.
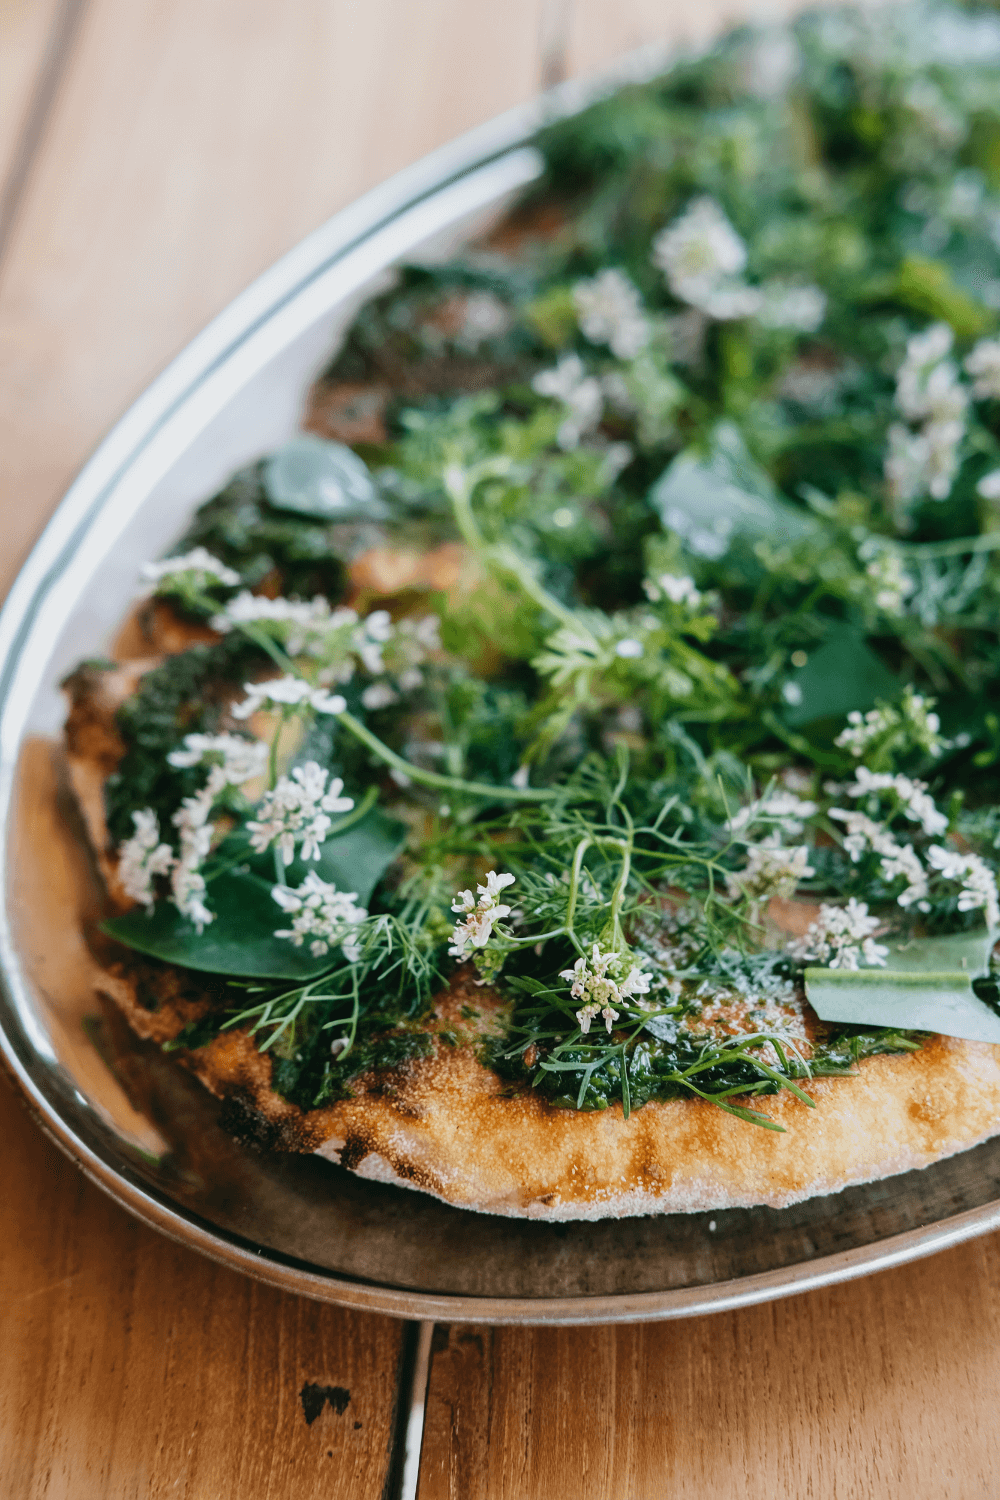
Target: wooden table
<point x="156" y="156"/>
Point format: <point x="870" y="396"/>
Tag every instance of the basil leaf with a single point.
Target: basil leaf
<point x="316" y="477"/>
<point x="711" y="499"/>
<point x="925" y="986"/>
<point x="241" y="940"/>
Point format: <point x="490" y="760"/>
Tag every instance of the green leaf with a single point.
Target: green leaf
<point x="843" y="674"/>
<point x="925" y="986"/>
<point x="711" y="499"/>
<point x="241" y="940"/>
<point x="927" y="287"/>
<point x="315" y="477"/>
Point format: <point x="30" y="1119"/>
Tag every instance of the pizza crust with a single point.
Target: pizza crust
<point x="446" y="1125"/>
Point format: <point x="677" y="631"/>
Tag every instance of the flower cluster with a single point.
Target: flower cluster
<point x="287" y="695"/>
<point x="912" y="797"/>
<point x="297" y="811"/>
<point x="581" y="395"/>
<point x="771" y="870"/>
<point x="320" y="912"/>
<point x="979" y="883"/>
<point x="779" y="806"/>
<point x="983" y="364"/>
<point x="195" y="570"/>
<point x="911" y="726"/>
<point x="678" y="590"/>
<point x="841" y="937"/>
<point x="610" y="312"/>
<point x="480" y="914"/>
<point x="891" y="584"/>
<point x="602" y="981"/>
<point x="142" y="857"/>
<point x="929" y="394"/>
<point x="703" y="258"/>
<point x="231" y="761"/>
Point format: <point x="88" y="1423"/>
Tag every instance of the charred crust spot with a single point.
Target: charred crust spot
<point x="355" y="1149"/>
<point x="240" y="1118"/>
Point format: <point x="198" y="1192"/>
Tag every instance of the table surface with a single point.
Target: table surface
<point x="153" y="158"/>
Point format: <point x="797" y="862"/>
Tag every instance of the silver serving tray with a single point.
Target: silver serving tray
<point x="134" y="1122"/>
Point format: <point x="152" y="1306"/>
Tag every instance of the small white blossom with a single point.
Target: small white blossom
<point x="784" y="807"/>
<point x="602" y="981"/>
<point x="610" y="311"/>
<point x="286" y="693"/>
<point x="143" y="856"/>
<point x="979" y="883"/>
<point x="989" y="485"/>
<point x="800" y="308"/>
<point x="202" y="568"/>
<point x="916" y="802"/>
<point x="898" y="861"/>
<point x="187" y="884"/>
<point x="929" y="391"/>
<point x="842" y="937"/>
<point x="581" y="394"/>
<point x="891" y="583"/>
<point x="297" y="811"/>
<point x="480" y="914"/>
<point x="379" y="695"/>
<point x="771" y="870"/>
<point x="629" y="649"/>
<point x="231" y="759"/>
<point x="677" y="590"/>
<point x="700" y="253"/>
<point x="927" y="381"/>
<point x="920" y="726"/>
<point x="322" y="913"/>
<point x="983" y="364"/>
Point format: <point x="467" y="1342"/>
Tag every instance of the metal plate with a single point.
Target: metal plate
<point x="133" y="1121"/>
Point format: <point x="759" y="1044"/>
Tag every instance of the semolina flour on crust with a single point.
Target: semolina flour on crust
<point x="446" y="1125"/>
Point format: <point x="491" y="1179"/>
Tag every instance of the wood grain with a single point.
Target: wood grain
<point x="129" y="1367"/>
<point x="872" y="1389"/>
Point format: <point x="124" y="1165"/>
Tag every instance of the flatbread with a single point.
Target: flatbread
<point x="447" y="1125"/>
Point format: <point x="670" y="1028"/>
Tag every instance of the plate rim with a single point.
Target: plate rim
<point x="80" y="509"/>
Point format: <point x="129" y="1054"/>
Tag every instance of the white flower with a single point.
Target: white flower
<point x="927" y="381"/>
<point x="579" y="392"/>
<point x="989" y="485"/>
<point x="297" y="811"/>
<point x="142" y="856"/>
<point x="928" y="390"/>
<point x="480" y="914"/>
<point x="771" y="870"/>
<point x="187" y="885"/>
<point x="629" y="649"/>
<point x="204" y="569"/>
<point x="801" y="308"/>
<point x="890" y="580"/>
<point x="916" y="802"/>
<point x="979" y="883"/>
<point x="677" y="590"/>
<point x="983" y="364"/>
<point x="601" y="984"/>
<point x="379" y="695"/>
<point x="610" y="311"/>
<point x="285" y="693"/>
<point x="842" y="937"/>
<point x="698" y="252"/>
<point x="484" y="317"/>
<point x="784" y="807"/>
<point x="322" y="913"/>
<point x="232" y="760"/>
<point x="921" y="727"/>
<point x="897" y="861"/>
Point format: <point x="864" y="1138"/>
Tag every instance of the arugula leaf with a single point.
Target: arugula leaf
<point x="711" y="499"/>
<point x="241" y="940"/>
<point x="927" y="985"/>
